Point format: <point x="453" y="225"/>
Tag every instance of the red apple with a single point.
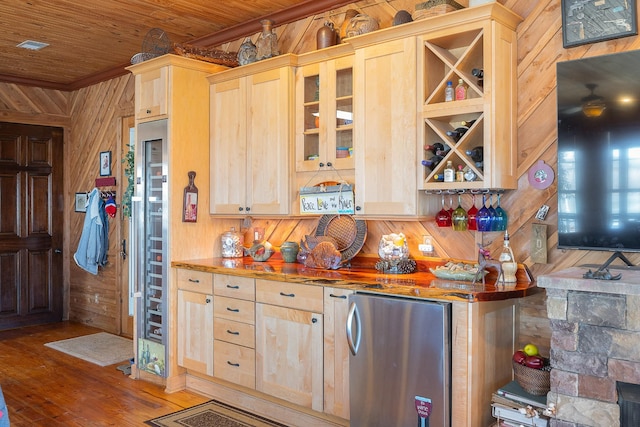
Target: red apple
<point x="519" y="357"/>
<point x="535" y="362"/>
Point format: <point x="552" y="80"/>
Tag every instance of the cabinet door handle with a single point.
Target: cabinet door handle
<point x="287" y="295"/>
<point x="237" y="365"/>
<point x="194" y="280"/>
<point x="233" y="286"/>
<point x="233" y="332"/>
<point x="314" y="320"/>
<point x="338" y="296"/>
<point x="208" y="300"/>
<point x="235" y="310"/>
<point x="353" y="317"/>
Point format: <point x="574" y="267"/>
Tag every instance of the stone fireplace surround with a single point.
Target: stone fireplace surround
<point x="595" y="342"/>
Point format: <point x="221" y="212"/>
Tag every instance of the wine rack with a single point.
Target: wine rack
<point x="489" y="106"/>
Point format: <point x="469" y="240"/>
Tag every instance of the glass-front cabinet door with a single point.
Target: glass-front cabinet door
<point x="324" y="115"/>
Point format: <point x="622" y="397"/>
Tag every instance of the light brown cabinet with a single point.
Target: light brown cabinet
<point x="234" y="330"/>
<point x="195" y="317"/>
<point x="289" y="342"/>
<point x="336" y="352"/>
<point x="151" y="93"/>
<point x="250" y="138"/>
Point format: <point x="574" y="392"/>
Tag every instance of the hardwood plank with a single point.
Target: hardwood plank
<point x="45" y="387"/>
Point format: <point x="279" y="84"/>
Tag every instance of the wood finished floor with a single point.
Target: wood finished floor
<point x="45" y="387"/>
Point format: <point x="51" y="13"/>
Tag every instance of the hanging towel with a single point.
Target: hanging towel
<point x="94" y="241"/>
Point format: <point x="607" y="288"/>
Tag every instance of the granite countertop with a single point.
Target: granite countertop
<point x="361" y="275"/>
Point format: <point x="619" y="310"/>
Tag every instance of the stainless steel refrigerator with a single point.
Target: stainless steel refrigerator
<point x="400" y="361"/>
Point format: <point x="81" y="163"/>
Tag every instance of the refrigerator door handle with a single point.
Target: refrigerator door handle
<point x="351" y="316"/>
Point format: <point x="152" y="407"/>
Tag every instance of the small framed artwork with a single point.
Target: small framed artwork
<point x="105" y="163"/>
<point x="591" y="21"/>
<point x="81" y="202"/>
<point x="190" y="211"/>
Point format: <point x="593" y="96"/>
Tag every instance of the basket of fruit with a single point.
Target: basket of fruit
<point x="532" y="371"/>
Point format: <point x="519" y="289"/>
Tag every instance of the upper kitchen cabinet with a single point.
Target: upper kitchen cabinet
<point x="324" y="110"/>
<point x="385" y="129"/>
<point x="478" y="133"/>
<point x="250" y="138"/>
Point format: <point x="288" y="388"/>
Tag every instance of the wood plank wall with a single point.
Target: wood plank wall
<point x="95" y="112"/>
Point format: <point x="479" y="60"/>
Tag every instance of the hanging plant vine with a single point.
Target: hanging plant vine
<point x="129" y="170"/>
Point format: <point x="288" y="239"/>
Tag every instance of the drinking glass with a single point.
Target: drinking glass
<point x="501" y="217"/>
<point x="459" y="218"/>
<point x="443" y="217"/>
<point x="492" y="214"/>
<point x="483" y="218"/>
<point x="471" y="214"/>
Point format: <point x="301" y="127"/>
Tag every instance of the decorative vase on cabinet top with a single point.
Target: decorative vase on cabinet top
<point x="326" y="36"/>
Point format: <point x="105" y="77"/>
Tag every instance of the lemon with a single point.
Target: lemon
<point x="398" y="241"/>
<point x="530" y="350"/>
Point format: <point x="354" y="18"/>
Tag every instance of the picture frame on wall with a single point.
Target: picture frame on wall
<point x="81" y="202"/>
<point x="591" y="21"/>
<point x="105" y="163"/>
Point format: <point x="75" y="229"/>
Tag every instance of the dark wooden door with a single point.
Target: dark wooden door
<point x="31" y="209"/>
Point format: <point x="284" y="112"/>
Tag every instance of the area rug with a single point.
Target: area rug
<point x="212" y="414"/>
<point x="103" y="349"/>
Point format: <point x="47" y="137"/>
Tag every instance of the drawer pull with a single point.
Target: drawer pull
<point x="338" y="296"/>
<point x="234" y="310"/>
<point x="233" y="332"/>
<point x="233" y="286"/>
<point x="208" y="300"/>
<point x="287" y="295"/>
<point x="237" y="365"/>
<point x="194" y="280"/>
<point x="314" y="320"/>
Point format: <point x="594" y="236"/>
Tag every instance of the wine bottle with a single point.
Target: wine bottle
<point x="457" y="133"/>
<point x="435" y="147"/>
<point x="479" y="74"/>
<point x="460" y="174"/>
<point x="432" y="162"/>
<point x="467" y="123"/>
<point x="476" y="154"/>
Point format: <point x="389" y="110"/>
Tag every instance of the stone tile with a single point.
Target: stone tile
<point x="581" y="363"/>
<point x="564" y="382"/>
<point x="597" y="309"/>
<point x="594" y="339"/>
<point x="585" y="412"/>
<point x="633" y="312"/>
<point x="597" y="388"/>
<point x="625" y="345"/>
<point x="556" y="307"/>
<point x="624" y="370"/>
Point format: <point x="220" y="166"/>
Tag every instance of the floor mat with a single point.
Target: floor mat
<point x="212" y="413"/>
<point x="103" y="349"/>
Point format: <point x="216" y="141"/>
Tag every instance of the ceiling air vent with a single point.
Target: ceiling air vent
<point x="32" y="45"/>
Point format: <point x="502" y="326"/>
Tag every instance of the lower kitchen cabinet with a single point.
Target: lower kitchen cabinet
<point x="289" y="342"/>
<point x="336" y="352"/>
<point x="195" y="335"/>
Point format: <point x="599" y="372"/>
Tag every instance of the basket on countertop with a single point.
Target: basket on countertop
<point x="435" y="8"/>
<point x="533" y="381"/>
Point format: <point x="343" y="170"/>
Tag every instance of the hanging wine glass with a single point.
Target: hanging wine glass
<point x="451" y="205"/>
<point x="471" y="214"/>
<point x="492" y="214"/>
<point x="443" y="217"/>
<point x="483" y="218"/>
<point x="459" y="217"/>
<point x="501" y="217"/>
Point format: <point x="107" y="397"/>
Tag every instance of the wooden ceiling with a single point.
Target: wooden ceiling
<point x="90" y="41"/>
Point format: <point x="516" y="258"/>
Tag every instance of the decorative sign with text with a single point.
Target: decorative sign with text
<point x="334" y="199"/>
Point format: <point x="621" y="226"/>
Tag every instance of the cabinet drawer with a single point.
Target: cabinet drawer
<point x="234" y="332"/>
<point x="196" y="281"/>
<point x="234" y="363"/>
<point x="234" y="309"/>
<point x="234" y="287"/>
<point x="293" y="295"/>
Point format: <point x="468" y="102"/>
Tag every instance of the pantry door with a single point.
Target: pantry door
<point x="31" y="224"/>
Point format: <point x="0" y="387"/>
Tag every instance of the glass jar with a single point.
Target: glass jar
<point x="232" y="244"/>
<point x="393" y="247"/>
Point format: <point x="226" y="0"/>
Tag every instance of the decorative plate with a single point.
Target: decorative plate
<point x="349" y="233"/>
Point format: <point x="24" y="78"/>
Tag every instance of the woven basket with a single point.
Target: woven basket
<point x="435" y="8"/>
<point x="533" y="381"/>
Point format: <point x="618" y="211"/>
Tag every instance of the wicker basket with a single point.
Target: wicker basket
<point x="435" y="8"/>
<point x="533" y="381"/>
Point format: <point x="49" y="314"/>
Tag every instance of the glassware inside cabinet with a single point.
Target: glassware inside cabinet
<point x="311" y="117"/>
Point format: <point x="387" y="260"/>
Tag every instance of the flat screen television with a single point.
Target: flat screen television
<point x="599" y="154"/>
